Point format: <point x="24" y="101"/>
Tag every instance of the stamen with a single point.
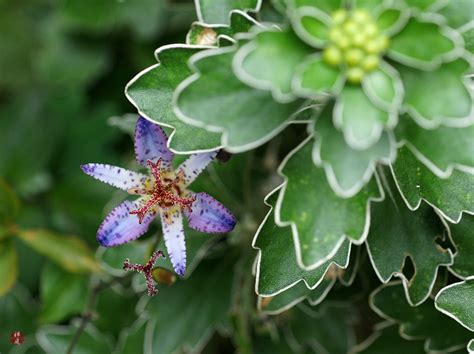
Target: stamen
<point x="162" y="194"/>
<point x="146" y="270"/>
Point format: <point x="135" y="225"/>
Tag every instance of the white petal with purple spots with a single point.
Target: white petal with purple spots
<point x="195" y="164"/>
<point x="173" y="234"/>
<point x="116" y="176"/>
<point x="120" y="226"/>
<point x="208" y="215"/>
<point x="150" y="143"/>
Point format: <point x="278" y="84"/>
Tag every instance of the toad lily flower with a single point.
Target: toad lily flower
<point x="163" y="193"/>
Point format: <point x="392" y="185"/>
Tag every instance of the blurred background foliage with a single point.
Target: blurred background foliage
<point x="63" y="68"/>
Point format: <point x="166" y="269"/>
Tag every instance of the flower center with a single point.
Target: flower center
<point x="166" y="192"/>
<point x="355" y="43"/>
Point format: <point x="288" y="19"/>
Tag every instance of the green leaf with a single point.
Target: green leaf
<point x="441" y="149"/>
<point x="62" y="294"/>
<point x="440" y="332"/>
<point x="420" y="4"/>
<point x="191" y="327"/>
<point x="387" y="340"/>
<point x="384" y="88"/>
<point x="290" y="297"/>
<point x="458" y="13"/>
<point x="56" y="339"/>
<point x="391" y="20"/>
<point x="278" y="270"/>
<point x="9" y="203"/>
<point x="312" y="25"/>
<point x="397" y="233"/>
<point x="151" y="92"/>
<point x="217" y="11"/>
<point x="132" y="339"/>
<point x="327" y="6"/>
<point x="69" y="252"/>
<point x="325" y="330"/>
<point x="468" y="36"/>
<point x="314" y="77"/>
<point x="202" y="34"/>
<point x="438" y="97"/>
<point x="423" y="44"/>
<point x="470" y="346"/>
<point x="451" y="196"/>
<point x="347" y="170"/>
<point x="251" y="64"/>
<point x="309" y="205"/>
<point x="359" y="119"/>
<point x="8" y="266"/>
<point x="207" y="99"/>
<point x="455" y="301"/>
<point x="462" y="235"/>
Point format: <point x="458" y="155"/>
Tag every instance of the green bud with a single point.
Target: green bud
<point x="332" y="55"/>
<point x="353" y="56"/>
<point x="355" y="75"/>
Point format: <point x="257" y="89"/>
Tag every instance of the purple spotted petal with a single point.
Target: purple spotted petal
<point x="120" y="226"/>
<point x="115" y="176"/>
<point x="210" y="216"/>
<point x="195" y="164"/>
<point x="150" y="143"/>
<point x="173" y="234"/>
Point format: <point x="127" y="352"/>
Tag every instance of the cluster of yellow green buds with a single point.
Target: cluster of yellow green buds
<point x="355" y="43"/>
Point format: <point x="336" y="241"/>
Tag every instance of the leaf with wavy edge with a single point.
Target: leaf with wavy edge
<point x="217" y="11"/>
<point x="441" y="333"/>
<point x="151" y="92"/>
<point x="456" y="301"/>
<point x="462" y="235"/>
<point x="319" y="219"/>
<point x="441" y="149"/>
<point x="347" y="170"/>
<point x="396" y="233"/>
<point x="451" y="197"/>
<point x="208" y="99"/>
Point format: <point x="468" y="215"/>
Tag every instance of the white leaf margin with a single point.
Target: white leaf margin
<point x="447" y="313"/>
<point x="401" y="329"/>
<point x="294" y="228"/>
<point x="197" y="4"/>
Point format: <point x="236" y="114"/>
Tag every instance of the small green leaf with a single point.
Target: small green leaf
<point x="9" y="203"/>
<point x="451" y="196"/>
<point x="314" y="77"/>
<point x="387" y="340"/>
<point x="347" y="170"/>
<point x="391" y="20"/>
<point x="251" y="64"/>
<point x="462" y="235"/>
<point x="56" y="339"/>
<point x="458" y="13"/>
<point x="62" y="294"/>
<point x="455" y="301"/>
<point x="359" y="119"/>
<point x="217" y="11"/>
<point x="68" y="252"/>
<point x="208" y="99"/>
<point x="397" y="233"/>
<point x="278" y="270"/>
<point x="440" y="332"/>
<point x="309" y="205"/>
<point x="470" y="346"/>
<point x="384" y="88"/>
<point x="312" y="25"/>
<point x="420" y="4"/>
<point x="151" y="93"/>
<point x="8" y="266"/>
<point x="438" y="97"/>
<point x="422" y="44"/>
<point x="327" y="6"/>
<point x="193" y="325"/>
<point x="441" y="149"/>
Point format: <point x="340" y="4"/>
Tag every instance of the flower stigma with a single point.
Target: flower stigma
<point x="166" y="192"/>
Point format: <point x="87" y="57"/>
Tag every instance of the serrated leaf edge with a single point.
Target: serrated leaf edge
<point x="294" y="229"/>
<point x="447" y="313"/>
